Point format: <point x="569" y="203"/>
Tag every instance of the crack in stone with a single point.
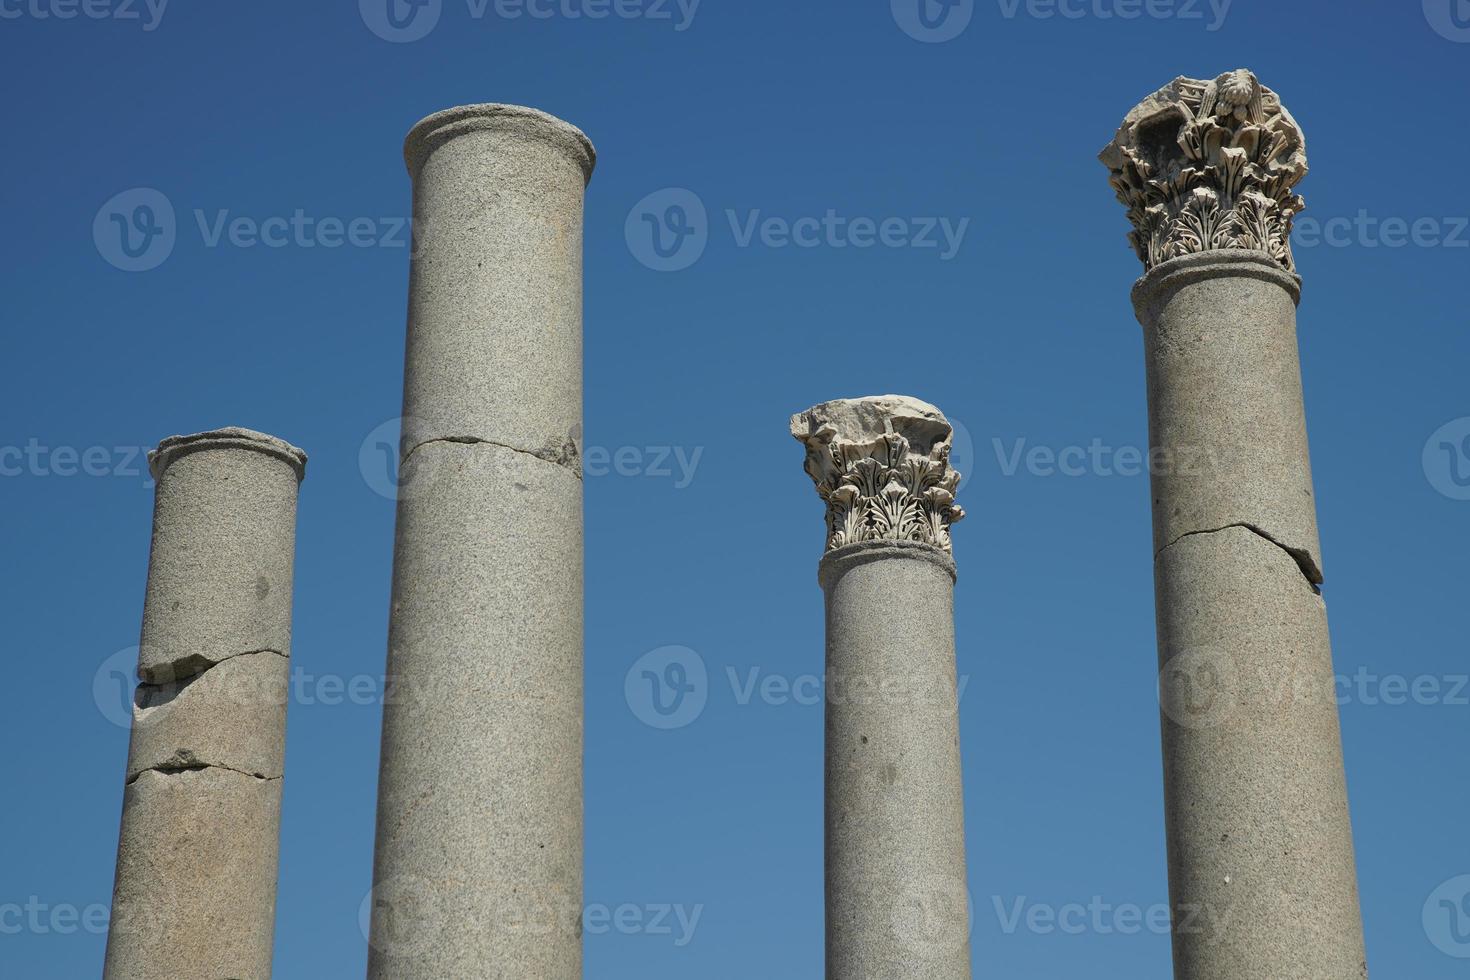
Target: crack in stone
<point x="182" y="675"/>
<point x="168" y="770"/>
<point x="565" y="455"/>
<point x="1301" y="556"/>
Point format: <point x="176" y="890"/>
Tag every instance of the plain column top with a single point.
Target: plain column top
<point x="434" y="130"/>
<point x="230" y="437"/>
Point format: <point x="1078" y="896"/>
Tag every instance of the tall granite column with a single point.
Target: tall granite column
<point x="478" y="867"/>
<point x="1261" y="867"/>
<point x="897" y="905"/>
<point x="197" y="856"/>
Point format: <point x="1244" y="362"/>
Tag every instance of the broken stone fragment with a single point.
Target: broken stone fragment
<point x="232" y="715"/>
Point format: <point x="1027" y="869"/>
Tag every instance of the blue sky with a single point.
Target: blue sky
<point x="272" y="132"/>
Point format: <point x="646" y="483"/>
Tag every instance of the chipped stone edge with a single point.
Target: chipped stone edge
<point x="229" y="437"/>
<point x="1305" y="562"/>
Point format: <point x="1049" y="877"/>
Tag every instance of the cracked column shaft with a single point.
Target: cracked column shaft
<point x="1261" y="867"/>
<point x="478" y="864"/>
<point x="897" y="903"/>
<point x="197" y="854"/>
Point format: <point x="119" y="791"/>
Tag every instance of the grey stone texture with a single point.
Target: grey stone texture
<point x="224" y="531"/>
<point x="478" y="865"/>
<point x="196" y="877"/>
<point x="232" y="716"/>
<point x="479" y="801"/>
<point x="194" y="897"/>
<point x="1226" y="425"/>
<point x="495" y="289"/>
<point x="897" y="900"/>
<point x="1261" y="868"/>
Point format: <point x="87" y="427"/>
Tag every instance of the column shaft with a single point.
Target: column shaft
<point x="478" y="866"/>
<point x="1261" y="871"/>
<point x="895" y="834"/>
<point x="897" y="903"/>
<point x="1261" y="864"/>
<point x="199" y="845"/>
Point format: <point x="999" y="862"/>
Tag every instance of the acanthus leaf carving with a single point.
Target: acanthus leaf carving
<point x="1208" y="165"/>
<point x="882" y="467"/>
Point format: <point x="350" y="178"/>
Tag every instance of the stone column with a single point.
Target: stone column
<point x="897" y="905"/>
<point x="1261" y="870"/>
<point x="196" y="867"/>
<point x="478" y="867"/>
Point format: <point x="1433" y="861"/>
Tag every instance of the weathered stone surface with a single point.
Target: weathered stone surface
<point x="1226" y="424"/>
<point x="219" y="575"/>
<point x="881" y="464"/>
<point x="479" y="805"/>
<point x="478" y="867"/>
<point x="897" y="902"/>
<point x="1209" y="165"/>
<point x="232" y="716"/>
<point x="495" y="291"/>
<point x="196" y="877"/>
<point x="1260" y="847"/>
<point x="1261" y="854"/>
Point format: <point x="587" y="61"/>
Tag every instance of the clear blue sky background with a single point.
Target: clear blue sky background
<point x="1025" y="334"/>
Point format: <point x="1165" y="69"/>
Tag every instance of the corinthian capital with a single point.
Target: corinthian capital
<point x="882" y="466"/>
<point x="1204" y="165"/>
